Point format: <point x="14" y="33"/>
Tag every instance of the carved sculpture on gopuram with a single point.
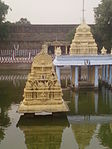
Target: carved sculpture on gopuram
<point x="42" y="92"/>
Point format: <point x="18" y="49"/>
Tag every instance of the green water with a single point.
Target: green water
<point x="88" y="124"/>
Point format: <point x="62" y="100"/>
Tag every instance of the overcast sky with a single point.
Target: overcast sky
<point x="51" y="11"/>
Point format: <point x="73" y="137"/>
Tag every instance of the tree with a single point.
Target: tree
<point x="3" y="25"/>
<point x="103" y="27"/>
<point x="3" y="11"/>
<point x="70" y="35"/>
<point x="23" y="21"/>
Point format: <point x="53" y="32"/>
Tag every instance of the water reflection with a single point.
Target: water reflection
<point x="90" y="120"/>
<point x="83" y="134"/>
<point x="2" y="134"/>
<point x="43" y="132"/>
<point x="90" y="102"/>
<point x="105" y="135"/>
<point x="9" y="94"/>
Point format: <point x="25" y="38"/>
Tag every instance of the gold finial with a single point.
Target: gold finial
<point x="83" y="10"/>
<point x="103" y="51"/>
<point x="111" y="51"/>
<point x="44" y="48"/>
<point x="58" y="51"/>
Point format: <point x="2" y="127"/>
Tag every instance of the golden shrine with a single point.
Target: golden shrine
<point x="83" y="42"/>
<point x="103" y="51"/>
<point x="42" y="92"/>
<point x="58" y="51"/>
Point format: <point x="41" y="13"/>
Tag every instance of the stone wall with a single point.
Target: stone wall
<point x="33" y="36"/>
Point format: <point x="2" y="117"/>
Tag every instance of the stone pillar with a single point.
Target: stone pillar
<point x="106" y="74"/>
<point x="103" y="73"/>
<point x="72" y="75"/>
<point x="110" y="76"/>
<point x="55" y="50"/>
<point x="29" y="56"/>
<point x="66" y="50"/>
<point x="76" y="77"/>
<point x="58" y="74"/>
<point x="91" y="76"/>
<point x="96" y="77"/>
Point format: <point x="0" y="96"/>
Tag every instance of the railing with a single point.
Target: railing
<point x="18" y="52"/>
<point x="9" y="60"/>
<point x="12" y="77"/>
<point x="17" y="56"/>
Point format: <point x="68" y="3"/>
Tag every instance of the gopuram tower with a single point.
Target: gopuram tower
<point x="86" y="65"/>
<point x="42" y="92"/>
<point x="83" y="42"/>
<point x="84" y="45"/>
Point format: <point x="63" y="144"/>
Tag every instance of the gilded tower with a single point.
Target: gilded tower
<point x="83" y="42"/>
<point x="42" y="92"/>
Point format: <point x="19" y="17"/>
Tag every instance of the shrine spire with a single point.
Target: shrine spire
<point x="83" y="11"/>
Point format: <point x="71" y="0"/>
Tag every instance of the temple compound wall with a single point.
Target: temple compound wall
<point x="32" y="37"/>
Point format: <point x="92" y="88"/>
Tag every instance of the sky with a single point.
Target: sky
<point x="51" y="11"/>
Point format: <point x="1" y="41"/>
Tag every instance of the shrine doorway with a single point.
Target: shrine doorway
<point x="51" y="50"/>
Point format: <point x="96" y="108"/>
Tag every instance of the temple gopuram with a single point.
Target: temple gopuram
<point x="42" y="92"/>
<point x="85" y="64"/>
<point x="83" y="42"/>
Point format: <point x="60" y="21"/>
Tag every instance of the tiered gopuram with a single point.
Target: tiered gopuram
<point x="83" y="42"/>
<point x="42" y="92"/>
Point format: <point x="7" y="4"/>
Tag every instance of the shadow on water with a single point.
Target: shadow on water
<point x="43" y="131"/>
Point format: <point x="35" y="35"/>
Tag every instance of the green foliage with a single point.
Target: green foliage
<point x="3" y="25"/>
<point x="3" y="11"/>
<point x="105" y="135"/>
<point x="103" y="27"/>
<point x="23" y="21"/>
<point x="70" y="35"/>
<point x="4" y="30"/>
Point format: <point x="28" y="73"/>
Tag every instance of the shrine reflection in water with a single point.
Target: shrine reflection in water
<point x="88" y="124"/>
